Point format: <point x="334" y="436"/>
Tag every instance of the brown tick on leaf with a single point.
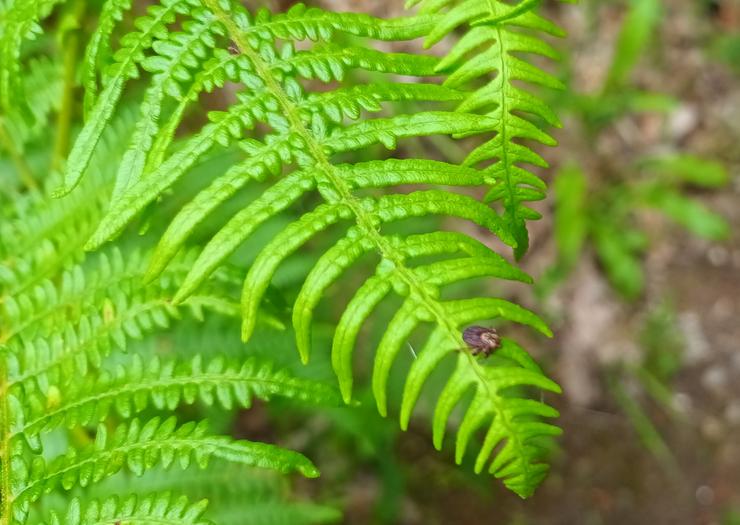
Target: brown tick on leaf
<point x="481" y="340"/>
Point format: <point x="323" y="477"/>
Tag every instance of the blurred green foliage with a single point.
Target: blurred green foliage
<point x="604" y="198"/>
<point x="599" y="198"/>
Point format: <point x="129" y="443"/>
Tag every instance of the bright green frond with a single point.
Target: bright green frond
<point x="140" y="447"/>
<point x="233" y="492"/>
<point x="125" y="66"/>
<point x="163" y="508"/>
<point x="39" y="236"/>
<point x="166" y="384"/>
<point x="500" y="32"/>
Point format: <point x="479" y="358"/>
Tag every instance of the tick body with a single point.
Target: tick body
<point x="481" y="340"/>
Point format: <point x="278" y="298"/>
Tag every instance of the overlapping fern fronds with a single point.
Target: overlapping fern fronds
<point x="55" y="375"/>
<point x="293" y="134"/>
<point x="41" y="237"/>
<point x="66" y="325"/>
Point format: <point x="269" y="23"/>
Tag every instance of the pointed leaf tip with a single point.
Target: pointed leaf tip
<point x="61" y="191"/>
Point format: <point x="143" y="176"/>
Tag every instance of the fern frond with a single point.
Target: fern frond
<point x="124" y="67"/>
<point x="220" y="480"/>
<point x="113" y="280"/>
<point x="166" y="384"/>
<point x="233" y="491"/>
<point x="295" y="138"/>
<point x="139" y="447"/>
<point x="42" y="390"/>
<point x="161" y="508"/>
<point x="56" y="332"/>
<point x="298" y="23"/>
<point x="175" y="56"/>
<point x="499" y="32"/>
<point x="40" y="236"/>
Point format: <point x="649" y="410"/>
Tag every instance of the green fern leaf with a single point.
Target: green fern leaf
<point x="20" y="22"/>
<point x="63" y="324"/>
<point x="233" y="492"/>
<point x="123" y="68"/>
<point x="167" y="384"/>
<point x="500" y="32"/>
<point x="40" y="236"/>
<point x="161" y="508"/>
<point x="140" y="447"/>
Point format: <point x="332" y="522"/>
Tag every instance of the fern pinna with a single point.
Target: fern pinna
<point x="295" y="134"/>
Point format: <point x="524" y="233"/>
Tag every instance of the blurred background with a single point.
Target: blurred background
<point x="638" y="264"/>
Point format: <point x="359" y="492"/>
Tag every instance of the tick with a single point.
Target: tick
<point x="481" y="340"/>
